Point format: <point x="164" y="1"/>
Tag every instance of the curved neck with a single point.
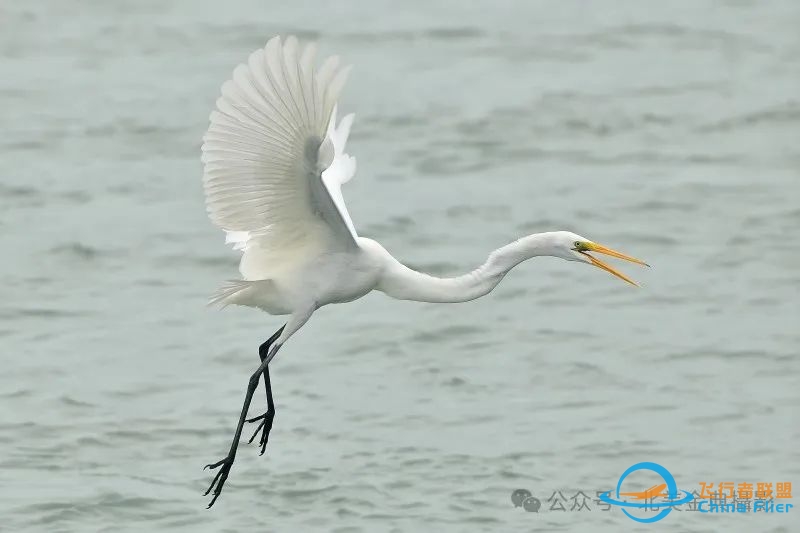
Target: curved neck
<point x="403" y="283"/>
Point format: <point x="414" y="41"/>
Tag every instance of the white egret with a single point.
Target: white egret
<point x="274" y="164"/>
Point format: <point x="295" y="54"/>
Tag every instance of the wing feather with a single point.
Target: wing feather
<point x="273" y="157"/>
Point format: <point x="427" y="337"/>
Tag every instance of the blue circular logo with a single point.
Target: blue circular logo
<point x="672" y="493"/>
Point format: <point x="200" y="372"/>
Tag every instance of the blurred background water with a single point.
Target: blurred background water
<point x="667" y="130"/>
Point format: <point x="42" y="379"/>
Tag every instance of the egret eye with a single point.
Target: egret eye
<point x="577" y="244"/>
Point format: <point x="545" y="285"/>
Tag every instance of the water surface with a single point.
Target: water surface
<point x="667" y="130"/>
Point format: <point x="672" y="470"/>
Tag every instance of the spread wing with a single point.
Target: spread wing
<point x="273" y="157"/>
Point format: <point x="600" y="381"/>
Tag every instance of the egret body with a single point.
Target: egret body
<point x="274" y="163"/>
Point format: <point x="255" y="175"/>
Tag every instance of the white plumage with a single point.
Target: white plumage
<point x="270" y="139"/>
<point x="274" y="163"/>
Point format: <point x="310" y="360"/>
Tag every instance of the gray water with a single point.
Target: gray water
<point x="667" y="130"/>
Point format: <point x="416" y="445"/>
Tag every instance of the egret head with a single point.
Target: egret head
<point x="573" y="247"/>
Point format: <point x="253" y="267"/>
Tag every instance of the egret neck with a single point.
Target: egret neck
<point x="403" y="283"/>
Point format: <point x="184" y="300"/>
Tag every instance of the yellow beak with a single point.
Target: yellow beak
<point x="600" y="249"/>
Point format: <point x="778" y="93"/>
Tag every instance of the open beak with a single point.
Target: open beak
<point x="600" y="249"/>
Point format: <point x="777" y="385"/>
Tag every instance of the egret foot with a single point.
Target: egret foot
<point x="220" y="478"/>
<point x="264" y="427"/>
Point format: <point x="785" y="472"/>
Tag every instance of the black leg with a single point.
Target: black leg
<point x="219" y="480"/>
<point x="227" y="462"/>
<point x="267" y="418"/>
